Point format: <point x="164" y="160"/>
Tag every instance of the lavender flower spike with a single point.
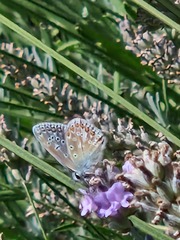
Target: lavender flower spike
<point x="106" y="203"/>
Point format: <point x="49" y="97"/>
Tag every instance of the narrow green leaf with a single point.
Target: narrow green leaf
<point x="35" y="212"/>
<point x="144" y="227"/>
<point x="23" y="107"/>
<point x="65" y="227"/>
<point x="10" y="195"/>
<point x="158" y="14"/>
<point x="171" y="6"/>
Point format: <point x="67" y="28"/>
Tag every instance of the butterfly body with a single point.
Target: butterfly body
<point x="78" y="145"/>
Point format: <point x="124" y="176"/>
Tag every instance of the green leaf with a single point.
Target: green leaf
<point x="35" y="211"/>
<point x="158" y="14"/>
<point x="149" y="229"/>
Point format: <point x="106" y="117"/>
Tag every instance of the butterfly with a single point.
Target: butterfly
<point x="77" y="146"/>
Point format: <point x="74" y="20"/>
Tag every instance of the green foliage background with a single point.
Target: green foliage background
<point x="80" y="44"/>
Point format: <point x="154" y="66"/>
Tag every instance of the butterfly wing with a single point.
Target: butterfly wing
<point x="85" y="144"/>
<point x="52" y="138"/>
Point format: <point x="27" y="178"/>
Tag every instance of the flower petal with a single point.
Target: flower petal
<point x="125" y="202"/>
<point x="115" y="192"/>
<point x="87" y="205"/>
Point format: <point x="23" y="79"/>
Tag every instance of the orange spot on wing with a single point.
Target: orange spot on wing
<point x="72" y="128"/>
<point x="87" y="129"/>
<point x="76" y="124"/>
<point x="92" y="133"/>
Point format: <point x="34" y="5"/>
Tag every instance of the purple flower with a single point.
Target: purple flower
<point x="127" y="167"/>
<point x="106" y="203"/>
<point x="87" y="205"/>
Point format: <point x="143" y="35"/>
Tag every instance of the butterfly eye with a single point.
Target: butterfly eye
<point x="76" y="177"/>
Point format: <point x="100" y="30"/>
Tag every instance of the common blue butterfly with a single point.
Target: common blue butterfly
<point x="78" y="145"/>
